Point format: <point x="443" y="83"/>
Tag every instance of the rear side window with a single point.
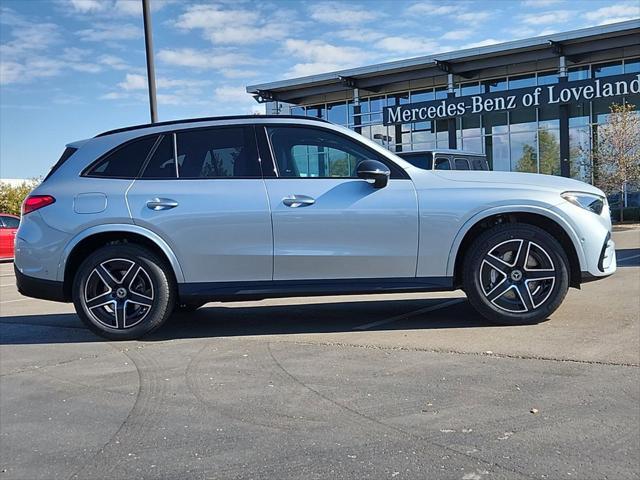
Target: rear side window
<point x="10" y="222"/>
<point x="63" y="158"/>
<point x="217" y="153"/>
<point x="124" y="162"/>
<point x="462" y="164"/>
<point x="162" y="163"/>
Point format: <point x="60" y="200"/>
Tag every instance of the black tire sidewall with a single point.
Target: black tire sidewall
<point x="161" y="278"/>
<point x="488" y="240"/>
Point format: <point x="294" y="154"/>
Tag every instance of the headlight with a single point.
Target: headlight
<point x="588" y="201"/>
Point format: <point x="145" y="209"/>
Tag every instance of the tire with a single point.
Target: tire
<point x="188" y="307"/>
<point x="123" y="292"/>
<point x="515" y="274"/>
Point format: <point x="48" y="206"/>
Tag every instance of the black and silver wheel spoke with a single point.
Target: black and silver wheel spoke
<point x="119" y="293"/>
<point x="517" y="275"/>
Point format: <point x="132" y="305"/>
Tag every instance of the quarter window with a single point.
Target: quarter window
<point x="217" y="153"/>
<point x="317" y="153"/>
<point x="124" y="162"/>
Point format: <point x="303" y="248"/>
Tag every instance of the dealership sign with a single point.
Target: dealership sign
<point x="557" y="93"/>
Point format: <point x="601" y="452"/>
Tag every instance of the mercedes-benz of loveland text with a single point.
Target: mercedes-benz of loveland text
<point x="138" y="222"/>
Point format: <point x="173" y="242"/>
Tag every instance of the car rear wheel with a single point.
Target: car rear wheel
<point x="516" y="274"/>
<point x="123" y="292"/>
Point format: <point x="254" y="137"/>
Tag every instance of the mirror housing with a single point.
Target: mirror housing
<point x="373" y="172"/>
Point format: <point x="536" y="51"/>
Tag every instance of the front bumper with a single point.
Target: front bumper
<point x="39" y="288"/>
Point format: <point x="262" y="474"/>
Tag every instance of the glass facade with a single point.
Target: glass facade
<point x="522" y="140"/>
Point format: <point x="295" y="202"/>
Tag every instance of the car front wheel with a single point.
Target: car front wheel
<point x="516" y="274"/>
<point x="123" y="292"/>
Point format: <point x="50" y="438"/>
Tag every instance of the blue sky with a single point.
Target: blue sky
<point x="72" y="68"/>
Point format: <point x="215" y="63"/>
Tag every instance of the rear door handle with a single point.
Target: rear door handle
<point x="161" y="204"/>
<point x="295" y="201"/>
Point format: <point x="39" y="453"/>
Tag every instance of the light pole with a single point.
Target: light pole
<point x="151" y="71"/>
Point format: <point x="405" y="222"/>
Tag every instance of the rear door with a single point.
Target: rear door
<point x="202" y="191"/>
<point x="329" y="224"/>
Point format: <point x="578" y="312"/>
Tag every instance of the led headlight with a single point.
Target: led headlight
<point x="588" y="201"/>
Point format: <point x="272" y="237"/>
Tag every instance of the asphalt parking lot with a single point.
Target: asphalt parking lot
<point x="393" y="386"/>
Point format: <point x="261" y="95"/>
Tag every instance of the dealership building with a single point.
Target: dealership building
<point x="530" y="105"/>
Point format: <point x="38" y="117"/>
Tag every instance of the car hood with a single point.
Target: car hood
<point x="547" y="182"/>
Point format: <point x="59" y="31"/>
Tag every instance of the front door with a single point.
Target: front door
<point x="329" y="224"/>
<point x="202" y="192"/>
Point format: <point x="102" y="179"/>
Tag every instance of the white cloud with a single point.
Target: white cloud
<point x="473" y="18"/>
<point x="319" y="51"/>
<point x="539" y="3"/>
<point x="342" y="13"/>
<point x="111" y="8"/>
<point x="547" y="18"/>
<point x="482" y="43"/>
<point x="88" y="6"/>
<point x="202" y="59"/>
<point x="229" y="26"/>
<point x="618" y="12"/>
<point x="106" y="32"/>
<point x="133" y="82"/>
<point x="238" y="73"/>
<point x="434" y="8"/>
<point x="411" y="45"/>
<point x="113" y="62"/>
<point x="457" y="34"/>
<point x="311" y="68"/>
<point x="359" y="35"/>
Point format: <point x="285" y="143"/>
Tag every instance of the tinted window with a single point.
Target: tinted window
<point x="420" y="160"/>
<point x="479" y="164"/>
<point x="462" y="164"/>
<point x="125" y="161"/>
<point x="10" y="222"/>
<point x="217" y="153"/>
<point x="442" y="164"/>
<point x="318" y="153"/>
<point x="162" y="163"/>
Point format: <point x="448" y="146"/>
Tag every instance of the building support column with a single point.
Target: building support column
<point x="565" y="161"/>
<point x="357" y="119"/>
<point x="451" y="122"/>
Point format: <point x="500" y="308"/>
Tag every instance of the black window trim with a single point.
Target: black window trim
<point x="401" y="173"/>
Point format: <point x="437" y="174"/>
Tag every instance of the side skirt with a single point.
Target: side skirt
<point x="242" y="291"/>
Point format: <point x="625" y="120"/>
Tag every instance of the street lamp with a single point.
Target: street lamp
<point x="151" y="71"/>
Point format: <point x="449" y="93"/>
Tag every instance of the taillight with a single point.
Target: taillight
<point x="34" y="202"/>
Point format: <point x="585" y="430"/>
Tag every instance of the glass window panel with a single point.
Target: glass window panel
<point x="497" y="151"/>
<point x="337" y="113"/>
<point x="549" y="144"/>
<point x="523" y="119"/>
<point x="495" y="85"/>
<point x="424" y="136"/>
<point x="470" y="125"/>
<point x="441" y="92"/>
<point x="578" y="114"/>
<point x="522" y="81"/>
<point x="470" y="89"/>
<point x="376" y="104"/>
<point x="442" y="163"/>
<point x="422" y="95"/>
<point x="472" y="144"/>
<point x="462" y="164"/>
<point x="601" y="108"/>
<point x="125" y="161"/>
<point x="495" y="122"/>
<point x="547" y="78"/>
<point x="579" y="73"/>
<point x="524" y="156"/>
<point x="317" y="111"/>
<point x="632" y="65"/>
<point x="398" y="99"/>
<point x="580" y="153"/>
<point x="548" y="116"/>
<point x="297" y="111"/>
<point x="162" y="164"/>
<point x="606" y="69"/>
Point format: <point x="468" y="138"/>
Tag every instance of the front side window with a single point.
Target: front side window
<point x="318" y="153"/>
<point x="217" y="153"/>
<point x="442" y="164"/>
<point x="125" y="161"/>
<point x="462" y="164"/>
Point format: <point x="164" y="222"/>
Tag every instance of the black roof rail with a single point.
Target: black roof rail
<point x="203" y="119"/>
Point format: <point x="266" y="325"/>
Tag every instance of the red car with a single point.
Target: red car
<point x="8" y="228"/>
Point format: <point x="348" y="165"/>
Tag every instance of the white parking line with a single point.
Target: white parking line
<point x="7" y="284"/>
<point x="17" y="300"/>
<point x="404" y="316"/>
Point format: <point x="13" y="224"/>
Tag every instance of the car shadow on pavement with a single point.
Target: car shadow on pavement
<point x="229" y="320"/>
<point x="628" y="257"/>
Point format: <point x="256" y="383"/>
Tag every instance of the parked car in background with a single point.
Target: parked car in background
<point x="444" y="159"/>
<point x="8" y="228"/>
<point x="136" y="222"/>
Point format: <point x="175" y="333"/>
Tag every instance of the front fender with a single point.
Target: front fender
<point x="120" y="227"/>
<point x="549" y="212"/>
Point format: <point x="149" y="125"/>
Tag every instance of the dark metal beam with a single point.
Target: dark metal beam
<point x="151" y="70"/>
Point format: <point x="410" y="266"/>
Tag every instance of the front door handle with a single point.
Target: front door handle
<point x="161" y="204"/>
<point x="295" y="201"/>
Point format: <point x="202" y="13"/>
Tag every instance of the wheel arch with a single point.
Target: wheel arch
<point x="540" y="217"/>
<point x="95" y="237"/>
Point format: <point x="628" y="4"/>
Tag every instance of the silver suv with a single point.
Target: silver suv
<point x="136" y="222"/>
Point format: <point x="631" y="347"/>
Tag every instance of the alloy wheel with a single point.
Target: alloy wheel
<point x="119" y="293"/>
<point x="517" y="275"/>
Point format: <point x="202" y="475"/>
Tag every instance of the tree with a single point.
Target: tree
<point x="549" y="154"/>
<point x="12" y="196"/>
<point x="616" y="151"/>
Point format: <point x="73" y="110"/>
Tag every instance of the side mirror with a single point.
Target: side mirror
<point x="374" y="172"/>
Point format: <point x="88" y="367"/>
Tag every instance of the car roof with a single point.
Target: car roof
<point x="252" y="118"/>
<point x="446" y="151"/>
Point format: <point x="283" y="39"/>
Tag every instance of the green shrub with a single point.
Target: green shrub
<point x="12" y="196"/>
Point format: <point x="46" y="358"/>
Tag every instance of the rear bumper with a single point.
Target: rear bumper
<point x="39" y="288"/>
